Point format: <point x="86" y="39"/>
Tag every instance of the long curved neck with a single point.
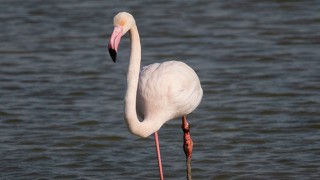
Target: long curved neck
<point x="133" y="76"/>
<point x="145" y="128"/>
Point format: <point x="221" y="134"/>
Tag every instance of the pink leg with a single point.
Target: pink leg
<point x="187" y="145"/>
<point x="158" y="154"/>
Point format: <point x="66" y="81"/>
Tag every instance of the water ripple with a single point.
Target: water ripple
<point x="61" y="111"/>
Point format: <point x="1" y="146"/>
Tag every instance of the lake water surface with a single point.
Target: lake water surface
<point x="61" y="96"/>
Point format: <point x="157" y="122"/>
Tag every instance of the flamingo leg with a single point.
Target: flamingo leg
<point x="158" y="154"/>
<point x="187" y="145"/>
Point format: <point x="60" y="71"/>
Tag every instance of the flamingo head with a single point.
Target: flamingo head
<point x="122" y="22"/>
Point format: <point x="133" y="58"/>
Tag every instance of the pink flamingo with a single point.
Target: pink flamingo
<point x="157" y="94"/>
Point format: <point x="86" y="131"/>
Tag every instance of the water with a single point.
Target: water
<point x="61" y="111"/>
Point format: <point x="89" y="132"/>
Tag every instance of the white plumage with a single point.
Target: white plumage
<point x="160" y="92"/>
<point x="168" y="90"/>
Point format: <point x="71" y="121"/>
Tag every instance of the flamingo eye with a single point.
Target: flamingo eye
<point x="122" y="22"/>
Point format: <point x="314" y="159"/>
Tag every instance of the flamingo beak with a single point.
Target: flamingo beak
<point x="114" y="42"/>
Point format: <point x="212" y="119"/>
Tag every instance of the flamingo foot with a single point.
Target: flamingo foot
<point x="187" y="144"/>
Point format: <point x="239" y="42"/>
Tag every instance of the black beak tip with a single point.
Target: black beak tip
<point x="113" y="54"/>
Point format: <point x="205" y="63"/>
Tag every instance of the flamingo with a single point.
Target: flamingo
<point x="157" y="94"/>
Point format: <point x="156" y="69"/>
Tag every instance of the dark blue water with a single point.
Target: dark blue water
<point x="61" y="96"/>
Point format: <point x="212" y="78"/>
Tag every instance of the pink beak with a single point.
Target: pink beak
<point x="114" y="42"/>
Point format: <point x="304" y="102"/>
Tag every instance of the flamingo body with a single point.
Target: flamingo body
<point x="168" y="90"/>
